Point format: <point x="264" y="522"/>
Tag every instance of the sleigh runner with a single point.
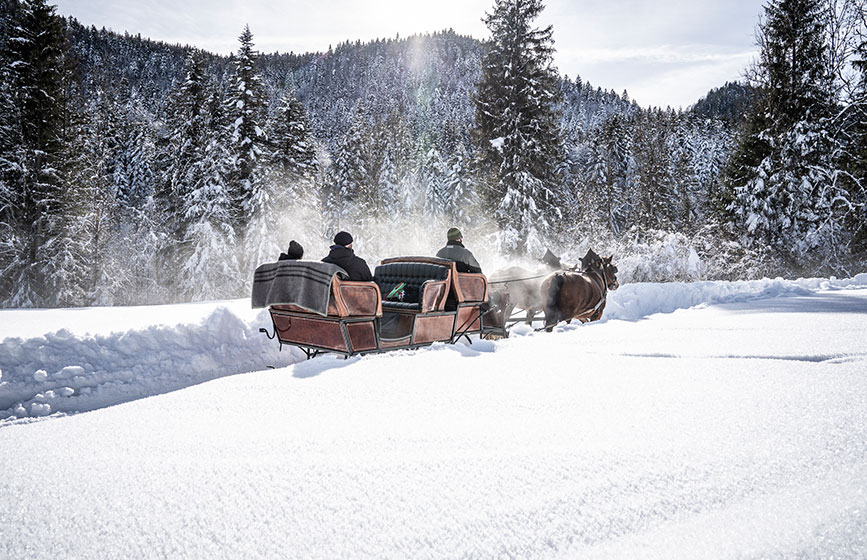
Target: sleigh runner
<point x="314" y="308"/>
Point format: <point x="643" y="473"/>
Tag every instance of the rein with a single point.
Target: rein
<point x="520" y="279"/>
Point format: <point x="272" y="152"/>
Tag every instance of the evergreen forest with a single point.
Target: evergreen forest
<point x="137" y="172"/>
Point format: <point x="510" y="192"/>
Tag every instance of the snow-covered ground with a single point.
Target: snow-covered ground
<point x="696" y="420"/>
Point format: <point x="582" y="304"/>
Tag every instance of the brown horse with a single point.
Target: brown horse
<point x="578" y="295"/>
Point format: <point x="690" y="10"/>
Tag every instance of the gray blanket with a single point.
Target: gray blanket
<point x="306" y="284"/>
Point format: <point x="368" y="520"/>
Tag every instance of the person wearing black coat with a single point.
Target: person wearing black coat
<point x="293" y="253"/>
<point x="455" y="251"/>
<point x="343" y="256"/>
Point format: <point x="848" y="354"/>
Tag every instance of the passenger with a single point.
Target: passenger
<point x="455" y="251"/>
<point x="294" y="253"/>
<point x="343" y="256"/>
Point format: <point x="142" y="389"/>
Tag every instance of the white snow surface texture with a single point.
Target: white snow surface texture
<point x="703" y="420"/>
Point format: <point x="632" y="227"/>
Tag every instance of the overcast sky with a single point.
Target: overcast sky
<point x="663" y="52"/>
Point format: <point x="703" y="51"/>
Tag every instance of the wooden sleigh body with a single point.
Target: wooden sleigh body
<point x="439" y="304"/>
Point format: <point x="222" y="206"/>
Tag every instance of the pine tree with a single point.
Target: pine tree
<point x="133" y="176"/>
<point x="245" y="111"/>
<point x="783" y="187"/>
<point x="656" y="189"/>
<point x="183" y="151"/>
<point x="462" y="201"/>
<point x="517" y="125"/>
<point x="93" y="212"/>
<point x="855" y="127"/>
<point x="616" y="191"/>
<point x="433" y="174"/>
<point x="36" y="68"/>
<point x="198" y="239"/>
<point x="292" y="147"/>
<point x="349" y="172"/>
<point x="11" y="159"/>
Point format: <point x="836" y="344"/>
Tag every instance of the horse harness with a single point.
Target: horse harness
<point x="583" y="314"/>
<point x="603" y="297"/>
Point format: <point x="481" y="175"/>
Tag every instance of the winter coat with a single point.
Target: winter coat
<point x="293" y="253"/>
<point x="345" y="258"/>
<point x="464" y="259"/>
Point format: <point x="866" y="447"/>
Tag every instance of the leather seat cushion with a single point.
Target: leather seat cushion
<point x="389" y="275"/>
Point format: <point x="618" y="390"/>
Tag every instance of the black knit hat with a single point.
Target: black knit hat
<point x="295" y="251"/>
<point x="343" y="238"/>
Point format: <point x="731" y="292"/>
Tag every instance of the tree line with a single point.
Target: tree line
<point x="132" y="171"/>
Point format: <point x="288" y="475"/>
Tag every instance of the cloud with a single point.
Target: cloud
<point x="665" y="54"/>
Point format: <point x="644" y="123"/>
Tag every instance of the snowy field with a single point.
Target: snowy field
<point x="712" y="419"/>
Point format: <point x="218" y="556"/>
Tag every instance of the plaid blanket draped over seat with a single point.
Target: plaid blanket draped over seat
<point x="306" y="284"/>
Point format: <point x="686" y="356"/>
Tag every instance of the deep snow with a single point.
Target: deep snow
<point x="737" y="427"/>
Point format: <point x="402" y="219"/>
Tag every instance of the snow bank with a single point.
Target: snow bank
<point x="65" y="372"/>
<point x="636" y="301"/>
<point x="70" y="371"/>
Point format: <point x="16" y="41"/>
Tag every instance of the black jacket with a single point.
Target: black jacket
<point x="345" y="258"/>
<point x="464" y="259"/>
<point x="293" y="253"/>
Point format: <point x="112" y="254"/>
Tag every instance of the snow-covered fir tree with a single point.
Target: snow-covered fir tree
<point x="183" y="149"/>
<point x="348" y="172"/>
<point x="198" y="239"/>
<point x="855" y="124"/>
<point x="11" y="156"/>
<point x="784" y="178"/>
<point x="245" y="108"/>
<point x="463" y="200"/>
<point x="292" y="154"/>
<point x="433" y="174"/>
<point x="616" y="193"/>
<point x="133" y="176"/>
<point x="35" y="65"/>
<point x="95" y="212"/>
<point x="517" y="127"/>
<point x="252" y="211"/>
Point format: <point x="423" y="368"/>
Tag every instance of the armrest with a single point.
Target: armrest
<point x="356" y="298"/>
<point x="432" y="295"/>
<point x="472" y="287"/>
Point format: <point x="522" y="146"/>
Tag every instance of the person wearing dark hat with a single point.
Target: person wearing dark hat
<point x="455" y="251"/>
<point x="343" y="256"/>
<point x="293" y="253"/>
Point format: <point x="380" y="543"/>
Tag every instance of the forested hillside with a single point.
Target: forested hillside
<point x="132" y="171"/>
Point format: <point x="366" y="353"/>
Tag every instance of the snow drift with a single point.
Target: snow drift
<point x="171" y="347"/>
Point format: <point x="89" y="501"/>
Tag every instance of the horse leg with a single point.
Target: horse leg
<point x="531" y="313"/>
<point x="552" y="317"/>
<point x="551" y="322"/>
<point x="552" y="303"/>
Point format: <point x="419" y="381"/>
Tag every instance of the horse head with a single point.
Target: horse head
<point x="609" y="272"/>
<point x="551" y="260"/>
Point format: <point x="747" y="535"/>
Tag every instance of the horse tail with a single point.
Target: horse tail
<point x="552" y="301"/>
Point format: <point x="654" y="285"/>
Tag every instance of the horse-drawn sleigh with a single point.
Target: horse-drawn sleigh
<point x="411" y="302"/>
